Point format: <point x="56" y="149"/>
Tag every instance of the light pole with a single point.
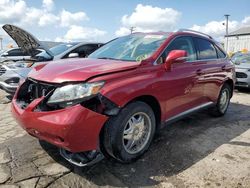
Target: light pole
<point x="227" y="17"/>
<point x="132" y="29"/>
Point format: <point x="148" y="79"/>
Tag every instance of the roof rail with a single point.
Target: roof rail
<point x="193" y="31"/>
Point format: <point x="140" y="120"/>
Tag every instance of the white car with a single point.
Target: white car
<point x="15" y="54"/>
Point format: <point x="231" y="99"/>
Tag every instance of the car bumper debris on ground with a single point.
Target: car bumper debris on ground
<point x="198" y="151"/>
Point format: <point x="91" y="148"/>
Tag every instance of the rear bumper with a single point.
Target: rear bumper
<point x="75" y="129"/>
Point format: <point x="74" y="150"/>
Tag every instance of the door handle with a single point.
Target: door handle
<point x="199" y="72"/>
<point x="223" y="67"/>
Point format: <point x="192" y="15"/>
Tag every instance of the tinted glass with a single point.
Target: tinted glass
<point x="135" y="47"/>
<point x="220" y="53"/>
<point x="16" y="52"/>
<point x="85" y="50"/>
<point x="206" y="49"/>
<point x="56" y="50"/>
<point x="183" y="43"/>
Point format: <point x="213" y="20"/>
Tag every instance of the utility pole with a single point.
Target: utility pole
<point x="132" y="29"/>
<point x="227" y="17"/>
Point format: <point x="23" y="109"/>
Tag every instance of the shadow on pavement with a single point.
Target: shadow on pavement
<point x="242" y="90"/>
<point x="5" y="99"/>
<point x="176" y="148"/>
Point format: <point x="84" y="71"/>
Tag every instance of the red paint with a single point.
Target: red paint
<point x="77" y="127"/>
<point x="175" y="57"/>
<point x="182" y="86"/>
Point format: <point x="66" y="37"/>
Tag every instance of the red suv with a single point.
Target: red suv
<point x="114" y="101"/>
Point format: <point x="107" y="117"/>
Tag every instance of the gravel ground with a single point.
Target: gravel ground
<point x="198" y="151"/>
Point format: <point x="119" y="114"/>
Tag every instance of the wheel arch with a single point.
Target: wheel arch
<point x="154" y="105"/>
<point x="231" y="84"/>
<point x="150" y="101"/>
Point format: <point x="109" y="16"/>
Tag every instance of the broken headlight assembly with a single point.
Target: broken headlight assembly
<point x="72" y="94"/>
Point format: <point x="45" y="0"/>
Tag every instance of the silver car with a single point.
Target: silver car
<point x="15" y="54"/>
<point x="242" y="68"/>
<point x="12" y="72"/>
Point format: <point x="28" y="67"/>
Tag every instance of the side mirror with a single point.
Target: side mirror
<point x="175" y="56"/>
<point x="73" y="55"/>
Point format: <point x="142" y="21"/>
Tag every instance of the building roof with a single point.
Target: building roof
<point x="241" y="31"/>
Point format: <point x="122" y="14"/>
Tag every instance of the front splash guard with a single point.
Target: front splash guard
<point x="82" y="159"/>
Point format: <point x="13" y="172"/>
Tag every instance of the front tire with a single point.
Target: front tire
<point x="129" y="134"/>
<point x="223" y="101"/>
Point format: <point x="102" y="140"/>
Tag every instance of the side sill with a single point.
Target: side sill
<point x="188" y="112"/>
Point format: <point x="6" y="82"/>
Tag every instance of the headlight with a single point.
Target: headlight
<point x="74" y="93"/>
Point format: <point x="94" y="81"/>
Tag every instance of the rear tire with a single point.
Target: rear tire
<point x="129" y="134"/>
<point x="223" y="101"/>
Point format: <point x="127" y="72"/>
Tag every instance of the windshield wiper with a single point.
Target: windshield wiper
<point x="114" y="59"/>
<point x="108" y="58"/>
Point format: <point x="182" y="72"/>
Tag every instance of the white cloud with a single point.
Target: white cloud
<point x="68" y="18"/>
<point x="79" y="33"/>
<point x="11" y="11"/>
<point x="122" y="31"/>
<point x="48" y="5"/>
<point x="47" y="19"/>
<point x="19" y="13"/>
<point x="148" y="18"/>
<point x="217" y="29"/>
<point x="246" y="21"/>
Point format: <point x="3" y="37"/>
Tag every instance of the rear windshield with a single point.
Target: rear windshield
<point x="135" y="47"/>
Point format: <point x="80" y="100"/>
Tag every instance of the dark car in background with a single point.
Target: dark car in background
<point x="11" y="72"/>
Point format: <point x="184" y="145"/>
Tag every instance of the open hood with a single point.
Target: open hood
<point x="26" y="41"/>
<point x="73" y="70"/>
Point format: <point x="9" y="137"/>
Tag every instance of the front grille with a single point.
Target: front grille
<point x="241" y="75"/>
<point x="2" y="70"/>
<point x="39" y="89"/>
<point x="32" y="90"/>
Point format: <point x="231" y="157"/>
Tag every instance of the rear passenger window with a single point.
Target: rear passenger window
<point x="183" y="43"/>
<point x="206" y="49"/>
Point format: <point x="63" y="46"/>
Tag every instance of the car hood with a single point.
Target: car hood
<point x="26" y="41"/>
<point x="242" y="66"/>
<point x="70" y="70"/>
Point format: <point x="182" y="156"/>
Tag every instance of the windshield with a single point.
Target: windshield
<point x="135" y="47"/>
<point x="243" y="58"/>
<point x="56" y="50"/>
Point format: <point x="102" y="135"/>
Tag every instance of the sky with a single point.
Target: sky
<point x="85" y="20"/>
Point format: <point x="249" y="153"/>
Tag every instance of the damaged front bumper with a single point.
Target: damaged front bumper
<point x="75" y="129"/>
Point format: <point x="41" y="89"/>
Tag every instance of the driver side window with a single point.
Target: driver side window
<point x="180" y="43"/>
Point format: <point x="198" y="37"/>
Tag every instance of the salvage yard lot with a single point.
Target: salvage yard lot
<point x="197" y="151"/>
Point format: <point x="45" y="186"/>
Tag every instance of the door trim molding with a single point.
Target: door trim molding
<point x="187" y="112"/>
